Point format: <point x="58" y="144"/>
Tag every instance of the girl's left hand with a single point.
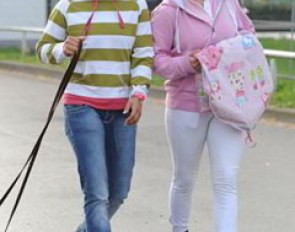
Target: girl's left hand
<point x="195" y="61"/>
<point x="134" y="106"/>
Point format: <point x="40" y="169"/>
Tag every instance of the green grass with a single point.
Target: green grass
<point x="14" y="54"/>
<point x="157" y="81"/>
<point x="284" y="96"/>
<point x="284" y="45"/>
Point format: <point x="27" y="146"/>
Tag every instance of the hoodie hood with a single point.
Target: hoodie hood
<point x="178" y="3"/>
<point x="192" y="9"/>
<point x="175" y="3"/>
<point x="196" y="11"/>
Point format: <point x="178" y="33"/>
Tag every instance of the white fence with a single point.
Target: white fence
<point x="24" y="31"/>
<point x="272" y="54"/>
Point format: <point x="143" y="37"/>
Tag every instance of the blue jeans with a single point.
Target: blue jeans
<point x="105" y="152"/>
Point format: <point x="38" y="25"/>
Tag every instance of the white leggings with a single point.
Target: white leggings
<point x="187" y="133"/>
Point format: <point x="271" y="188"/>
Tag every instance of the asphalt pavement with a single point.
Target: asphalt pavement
<point x="53" y="201"/>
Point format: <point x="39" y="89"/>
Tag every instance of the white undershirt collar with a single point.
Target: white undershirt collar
<point x="208" y="8"/>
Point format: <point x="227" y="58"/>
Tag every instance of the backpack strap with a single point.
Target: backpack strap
<point x="250" y="140"/>
<point x="233" y="15"/>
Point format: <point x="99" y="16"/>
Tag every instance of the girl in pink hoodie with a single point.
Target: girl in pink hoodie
<point x="181" y="28"/>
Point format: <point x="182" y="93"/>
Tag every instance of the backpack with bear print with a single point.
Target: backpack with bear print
<point x="237" y="81"/>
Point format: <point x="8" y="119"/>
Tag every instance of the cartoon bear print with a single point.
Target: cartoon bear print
<point x="237" y="79"/>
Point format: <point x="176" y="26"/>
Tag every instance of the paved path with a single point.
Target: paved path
<point x="52" y="201"/>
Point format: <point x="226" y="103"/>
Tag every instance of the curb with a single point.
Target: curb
<point x="31" y="69"/>
<point x="280" y="114"/>
<point x="284" y="114"/>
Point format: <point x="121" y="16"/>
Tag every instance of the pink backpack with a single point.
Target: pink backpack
<point x="237" y="81"/>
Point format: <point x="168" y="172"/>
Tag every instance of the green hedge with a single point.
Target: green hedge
<point x="280" y="12"/>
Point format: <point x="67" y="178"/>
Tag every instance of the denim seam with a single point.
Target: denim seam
<point x="73" y="143"/>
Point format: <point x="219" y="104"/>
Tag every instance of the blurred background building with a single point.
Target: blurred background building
<point x="23" y="13"/>
<point x="34" y="13"/>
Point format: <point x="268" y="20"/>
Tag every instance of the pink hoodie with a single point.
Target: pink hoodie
<point x="180" y="28"/>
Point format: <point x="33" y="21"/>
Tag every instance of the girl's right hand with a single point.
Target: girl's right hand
<point x="71" y="45"/>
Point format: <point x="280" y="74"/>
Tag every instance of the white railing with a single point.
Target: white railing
<point x="279" y="54"/>
<point x="272" y="54"/>
<point x="24" y="31"/>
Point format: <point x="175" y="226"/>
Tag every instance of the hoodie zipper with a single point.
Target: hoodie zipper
<point x="177" y="35"/>
<point x="214" y="23"/>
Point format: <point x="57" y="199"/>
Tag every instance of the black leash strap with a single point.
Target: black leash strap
<point x="32" y="157"/>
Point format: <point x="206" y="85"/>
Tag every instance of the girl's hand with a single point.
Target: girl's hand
<point x="71" y="45"/>
<point x="134" y="106"/>
<point x="195" y="62"/>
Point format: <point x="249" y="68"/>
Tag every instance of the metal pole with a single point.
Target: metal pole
<point x="48" y="7"/>
<point x="24" y="47"/>
<point x="274" y="72"/>
<point x="292" y="37"/>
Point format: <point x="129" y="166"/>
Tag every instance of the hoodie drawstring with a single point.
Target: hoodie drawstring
<point x="177" y="33"/>
<point x="94" y="9"/>
<point x="88" y="23"/>
<point x="121" y="20"/>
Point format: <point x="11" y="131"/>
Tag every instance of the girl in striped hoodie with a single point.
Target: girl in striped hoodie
<point x="103" y="101"/>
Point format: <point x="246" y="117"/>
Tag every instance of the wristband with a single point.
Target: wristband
<point x="140" y="96"/>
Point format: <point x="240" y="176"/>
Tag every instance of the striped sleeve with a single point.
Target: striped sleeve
<point x="50" y="45"/>
<point x="143" y="52"/>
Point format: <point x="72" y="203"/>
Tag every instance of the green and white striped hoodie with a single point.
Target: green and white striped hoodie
<point x="115" y="62"/>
